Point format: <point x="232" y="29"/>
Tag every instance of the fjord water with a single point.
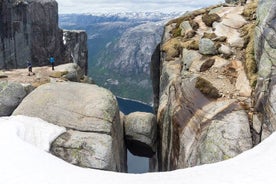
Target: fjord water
<point x="135" y="164"/>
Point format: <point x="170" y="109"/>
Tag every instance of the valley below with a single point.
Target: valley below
<point x="120" y="47"/>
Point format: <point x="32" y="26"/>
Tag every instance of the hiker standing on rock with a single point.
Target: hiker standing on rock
<point x="30" y="68"/>
<point x="52" y="61"/>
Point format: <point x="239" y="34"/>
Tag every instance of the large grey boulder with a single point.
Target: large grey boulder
<point x="11" y="94"/>
<point x="265" y="55"/>
<point x="140" y="133"/>
<point x="93" y="115"/>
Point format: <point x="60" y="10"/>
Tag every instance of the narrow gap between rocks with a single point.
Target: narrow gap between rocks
<point x="137" y="164"/>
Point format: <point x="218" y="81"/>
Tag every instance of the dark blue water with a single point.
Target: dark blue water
<point x="135" y="164"/>
<point x="128" y="106"/>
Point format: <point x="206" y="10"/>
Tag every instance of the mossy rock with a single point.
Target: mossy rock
<point x="209" y="19"/>
<point x="40" y="82"/>
<point x="209" y="35"/>
<point x="206" y="88"/>
<point x="3" y="75"/>
<point x="249" y="11"/>
<point x="58" y="74"/>
<point x="172" y="48"/>
<point x="251" y="68"/>
<point x="190" y="34"/>
<point x="220" y="39"/>
<point x="194" y="25"/>
<point x="191" y="44"/>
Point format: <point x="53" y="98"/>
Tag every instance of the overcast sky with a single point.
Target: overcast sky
<point x="88" y="6"/>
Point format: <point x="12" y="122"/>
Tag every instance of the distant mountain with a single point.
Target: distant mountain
<point x="120" y="47"/>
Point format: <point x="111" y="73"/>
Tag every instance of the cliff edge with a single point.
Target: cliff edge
<point x="208" y="108"/>
<point x="29" y="31"/>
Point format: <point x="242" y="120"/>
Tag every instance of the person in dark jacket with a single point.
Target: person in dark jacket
<point x="30" y="68"/>
<point x="52" y="61"/>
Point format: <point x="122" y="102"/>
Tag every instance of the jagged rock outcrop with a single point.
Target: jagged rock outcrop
<point x="94" y="136"/>
<point x="265" y="54"/>
<point x="140" y="133"/>
<point x="29" y="31"/>
<point x="205" y="104"/>
<point x="76" y="49"/>
<point x="11" y="94"/>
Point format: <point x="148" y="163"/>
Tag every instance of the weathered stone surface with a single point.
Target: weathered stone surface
<point x="82" y="108"/>
<point x="209" y="19"/>
<point x="207" y="47"/>
<point x="140" y="133"/>
<point x="72" y="71"/>
<point x="11" y="94"/>
<point x="265" y="55"/>
<point x="222" y="30"/>
<point x="86" y="149"/>
<point x="15" y="28"/>
<point x="231" y="1"/>
<point x="191" y="60"/>
<point x="225" y="50"/>
<point x="189" y="121"/>
<point x="226" y="138"/>
<point x="185" y="27"/>
<point x="205" y="103"/>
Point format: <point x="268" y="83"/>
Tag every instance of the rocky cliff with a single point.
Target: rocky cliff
<point x="29" y="30"/>
<point x="265" y="54"/>
<point x="208" y="109"/>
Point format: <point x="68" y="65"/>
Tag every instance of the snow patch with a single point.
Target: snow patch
<point x="23" y="163"/>
<point x="35" y="131"/>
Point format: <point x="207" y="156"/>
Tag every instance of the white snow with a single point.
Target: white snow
<point x="25" y="163"/>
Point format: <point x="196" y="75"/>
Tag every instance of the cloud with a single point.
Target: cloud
<point x="88" y="6"/>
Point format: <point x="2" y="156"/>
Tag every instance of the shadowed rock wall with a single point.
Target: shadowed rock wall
<point x="29" y="30"/>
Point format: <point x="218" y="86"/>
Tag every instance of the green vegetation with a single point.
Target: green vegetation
<point x="207" y="88"/>
<point x="209" y="19"/>
<point x="248" y="31"/>
<point x="128" y="87"/>
<point x="251" y="68"/>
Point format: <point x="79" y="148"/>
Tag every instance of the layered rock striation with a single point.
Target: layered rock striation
<point x="207" y="76"/>
<point x="29" y="31"/>
<point x="265" y="54"/>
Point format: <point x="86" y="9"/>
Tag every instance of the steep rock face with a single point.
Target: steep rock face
<point x="265" y="54"/>
<point x="205" y="105"/>
<point x="15" y="28"/>
<point x="45" y="34"/>
<point x="94" y="136"/>
<point x="29" y="31"/>
<point x="127" y="63"/>
<point x="76" y="49"/>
